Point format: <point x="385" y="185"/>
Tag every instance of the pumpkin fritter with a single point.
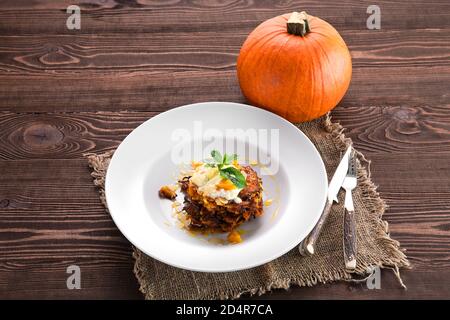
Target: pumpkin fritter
<point x="209" y="215"/>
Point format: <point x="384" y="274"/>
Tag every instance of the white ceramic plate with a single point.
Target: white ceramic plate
<point x="293" y="175"/>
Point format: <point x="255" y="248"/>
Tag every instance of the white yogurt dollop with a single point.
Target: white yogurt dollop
<point x="207" y="179"/>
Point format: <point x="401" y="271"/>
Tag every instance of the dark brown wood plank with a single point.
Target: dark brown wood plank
<point x="377" y="130"/>
<point x="115" y="283"/>
<point x="154" y="91"/>
<point x="397" y="129"/>
<point x="146" y="91"/>
<point x="49" y="17"/>
<point x="46" y="204"/>
<point x="111" y="53"/>
<point x="168" y="52"/>
<point x="51" y="217"/>
<point x="94" y="73"/>
<point x="421" y="285"/>
<point x="107" y="282"/>
<point x="64" y="135"/>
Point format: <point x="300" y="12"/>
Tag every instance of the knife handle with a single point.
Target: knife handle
<point x="349" y="240"/>
<point x="308" y="245"/>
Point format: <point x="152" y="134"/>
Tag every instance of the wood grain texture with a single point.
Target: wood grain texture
<point x="157" y="72"/>
<point x="42" y="17"/>
<point x="432" y="286"/>
<point x="207" y="51"/>
<point x="64" y="93"/>
<point x="397" y="129"/>
<point x="62" y="135"/>
<point x="378" y="130"/>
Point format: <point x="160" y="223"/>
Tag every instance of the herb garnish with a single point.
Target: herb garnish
<point x="225" y="170"/>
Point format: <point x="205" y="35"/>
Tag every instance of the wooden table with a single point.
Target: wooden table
<point x="66" y="92"/>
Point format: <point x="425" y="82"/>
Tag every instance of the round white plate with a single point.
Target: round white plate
<point x="293" y="175"/>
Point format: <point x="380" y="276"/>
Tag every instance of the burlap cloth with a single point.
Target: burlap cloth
<point x="375" y="247"/>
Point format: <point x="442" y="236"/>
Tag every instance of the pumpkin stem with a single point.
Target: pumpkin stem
<point x="298" y="24"/>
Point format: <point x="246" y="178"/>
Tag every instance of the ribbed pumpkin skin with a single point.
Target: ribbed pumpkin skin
<point x="298" y="78"/>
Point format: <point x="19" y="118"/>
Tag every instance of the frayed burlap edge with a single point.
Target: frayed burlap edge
<point x="397" y="258"/>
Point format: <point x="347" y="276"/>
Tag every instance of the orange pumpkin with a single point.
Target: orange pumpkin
<point x="295" y="65"/>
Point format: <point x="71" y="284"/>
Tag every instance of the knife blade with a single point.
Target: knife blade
<point x="349" y="240"/>
<point x="308" y="245"/>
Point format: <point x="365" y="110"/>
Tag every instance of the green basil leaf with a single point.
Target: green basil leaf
<point x="216" y="156"/>
<point x="226" y="159"/>
<point x="234" y="175"/>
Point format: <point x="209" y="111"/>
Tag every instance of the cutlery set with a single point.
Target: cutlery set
<point x="343" y="178"/>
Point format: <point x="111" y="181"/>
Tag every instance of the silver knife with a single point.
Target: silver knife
<point x="349" y="215"/>
<point x="308" y="245"/>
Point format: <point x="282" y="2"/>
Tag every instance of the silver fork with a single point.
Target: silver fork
<point x="349" y="216"/>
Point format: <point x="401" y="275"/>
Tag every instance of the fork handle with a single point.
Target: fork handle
<point x="310" y="242"/>
<point x="349" y="240"/>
